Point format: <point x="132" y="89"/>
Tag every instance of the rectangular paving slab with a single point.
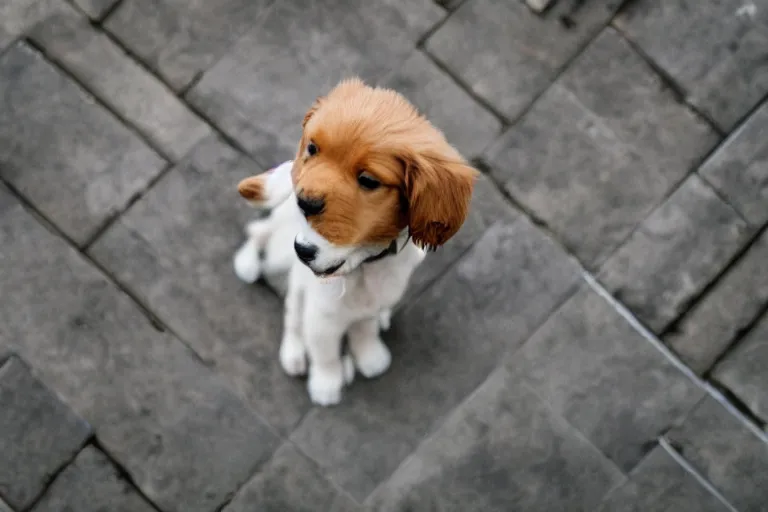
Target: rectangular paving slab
<point x="503" y="449"/>
<point x="444" y="345"/>
<point x="599" y="150"/>
<point x="659" y="483"/>
<point x="91" y="484"/>
<point x="70" y="157"/>
<point x="712" y="324"/>
<point x="744" y="370"/>
<point x="311" y="46"/>
<point x="508" y="55"/>
<point x="715" y="49"/>
<point x="675" y="252"/>
<point x="727" y="452"/>
<point x="130" y="91"/>
<point x="39" y="434"/>
<point x="17" y="16"/>
<point x="180" y="433"/>
<point x="179" y="39"/>
<point x="739" y="168"/>
<point x="603" y="376"/>
<point x="290" y="482"/>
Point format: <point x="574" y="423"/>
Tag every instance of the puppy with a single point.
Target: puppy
<point x="373" y="186"/>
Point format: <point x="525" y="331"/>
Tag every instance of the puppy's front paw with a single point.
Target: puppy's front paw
<point x="246" y="262"/>
<point x="293" y="356"/>
<point x="385" y="319"/>
<point x="325" y="383"/>
<point x="372" y="358"/>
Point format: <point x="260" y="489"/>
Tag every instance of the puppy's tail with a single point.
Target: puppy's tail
<point x="269" y="189"/>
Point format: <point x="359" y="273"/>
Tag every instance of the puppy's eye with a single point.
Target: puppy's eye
<point x="367" y="181"/>
<point x="312" y="149"/>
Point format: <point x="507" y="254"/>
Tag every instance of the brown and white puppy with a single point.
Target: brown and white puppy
<point x="372" y="185"/>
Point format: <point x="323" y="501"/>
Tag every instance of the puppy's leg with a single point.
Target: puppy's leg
<point x="327" y="369"/>
<point x="371" y="355"/>
<point x="268" y="189"/>
<point x="293" y="353"/>
<point x="385" y="319"/>
<point x="247" y="261"/>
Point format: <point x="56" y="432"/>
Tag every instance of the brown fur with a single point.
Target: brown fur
<point x="426" y="184"/>
<point x="252" y="188"/>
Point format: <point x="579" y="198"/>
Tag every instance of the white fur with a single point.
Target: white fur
<point x="357" y="300"/>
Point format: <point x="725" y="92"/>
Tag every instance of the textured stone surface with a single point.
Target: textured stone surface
<point x="96" y="9"/>
<point x="745" y="370"/>
<point x="182" y="436"/>
<point x="4" y="506"/>
<point x="674" y="253"/>
<point x="133" y="93"/>
<point x="660" y="484"/>
<point x="289" y="482"/>
<point x="180" y="39"/>
<point x="711" y="325"/>
<point x="733" y="457"/>
<point x="174" y="249"/>
<point x="714" y="48"/>
<point x="444" y="345"/>
<point x="16" y="16"/>
<point x="599" y="150"/>
<point x="66" y="154"/>
<point x="466" y="124"/>
<point x="503" y="449"/>
<point x="38" y="434"/>
<point x="310" y="46"/>
<point x="739" y="168"/>
<point x="534" y="48"/>
<point x="91" y="484"/>
<point x="600" y="374"/>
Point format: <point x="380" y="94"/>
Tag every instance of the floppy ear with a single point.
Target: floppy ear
<point x="439" y="193"/>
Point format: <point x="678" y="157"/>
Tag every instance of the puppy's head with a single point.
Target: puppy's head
<point x="369" y="167"/>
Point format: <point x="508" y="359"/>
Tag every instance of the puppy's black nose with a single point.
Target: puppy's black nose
<point x="310" y="205"/>
<point x="306" y="253"/>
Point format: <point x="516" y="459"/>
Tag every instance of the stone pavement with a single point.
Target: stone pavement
<point x="594" y="339"/>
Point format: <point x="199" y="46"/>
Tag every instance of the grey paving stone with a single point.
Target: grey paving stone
<point x="289" y="482"/>
<point x="66" y="154"/>
<point x="38" y="434"/>
<point x="126" y="87"/>
<point x="739" y="168"/>
<point x="180" y="433"/>
<point x="443" y="345"/>
<point x="534" y="48"/>
<point x="96" y="9"/>
<point x="745" y="370"/>
<point x="4" y="506"/>
<point x="488" y="206"/>
<point x="16" y="16"/>
<point x="660" y="484"/>
<point x="503" y="449"/>
<point x="91" y="484"/>
<point x="174" y="250"/>
<point x="599" y="373"/>
<point x="181" y="39"/>
<point x="714" y="48"/>
<point x="466" y="124"/>
<point x="599" y="150"/>
<point x="712" y="324"/>
<point x="259" y="92"/>
<point x="723" y="450"/>
<point x="674" y="253"/>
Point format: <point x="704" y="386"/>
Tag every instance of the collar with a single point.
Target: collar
<point x="397" y="245"/>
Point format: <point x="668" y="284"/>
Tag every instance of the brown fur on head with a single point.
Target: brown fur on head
<point x="425" y="184"/>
